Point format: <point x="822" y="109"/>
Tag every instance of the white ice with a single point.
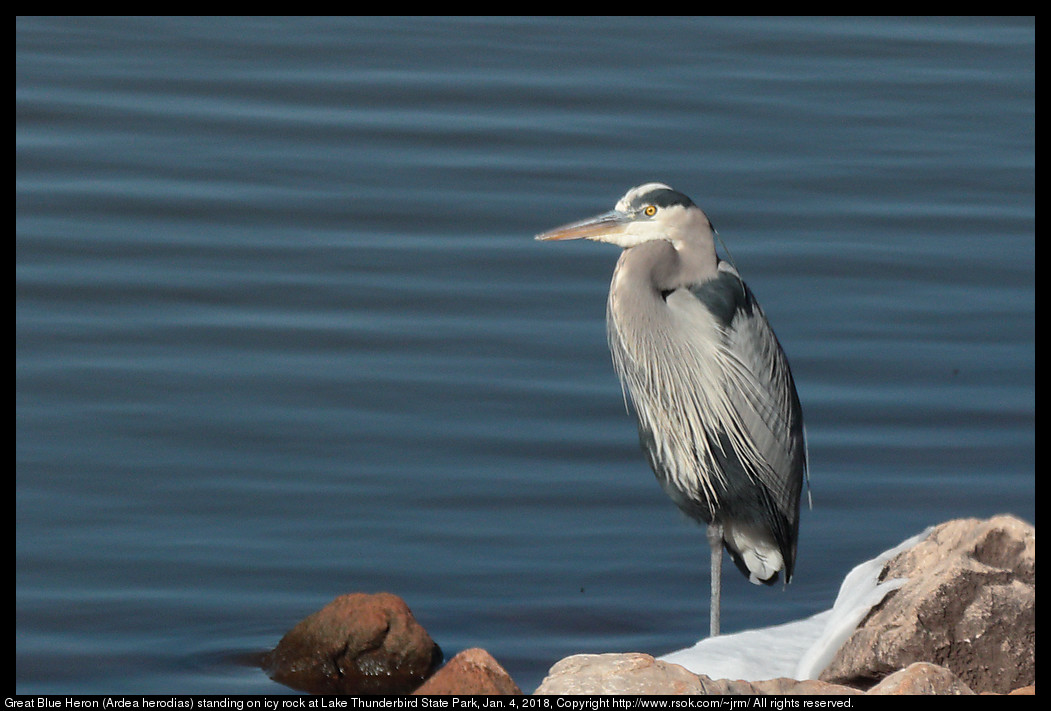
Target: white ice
<point x="801" y="649"/>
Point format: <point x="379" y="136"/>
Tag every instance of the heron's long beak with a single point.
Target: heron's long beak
<point x="599" y="227"/>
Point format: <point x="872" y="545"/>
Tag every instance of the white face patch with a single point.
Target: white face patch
<point x="633" y="233"/>
<point x="673" y="224"/>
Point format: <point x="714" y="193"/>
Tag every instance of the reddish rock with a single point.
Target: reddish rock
<point x="357" y="644"/>
<point x="969" y="605"/>
<point x="472" y="671"/>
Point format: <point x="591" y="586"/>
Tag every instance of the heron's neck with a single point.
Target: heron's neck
<point x="697" y="260"/>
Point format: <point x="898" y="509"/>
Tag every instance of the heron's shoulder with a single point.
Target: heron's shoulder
<point x="725" y="295"/>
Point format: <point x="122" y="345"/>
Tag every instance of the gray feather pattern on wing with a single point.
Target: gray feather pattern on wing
<point x="713" y="376"/>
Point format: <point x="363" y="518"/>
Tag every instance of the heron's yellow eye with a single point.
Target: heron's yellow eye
<point x="649" y="211"/>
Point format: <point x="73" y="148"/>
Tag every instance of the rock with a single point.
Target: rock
<point x="792" y="687"/>
<point x="969" y="605"/>
<point x="357" y="644"/>
<point x="472" y="671"/>
<point x="1024" y="691"/>
<point x="636" y="673"/>
<point x="782" y="686"/>
<point x="632" y="673"/>
<point x="922" y="678"/>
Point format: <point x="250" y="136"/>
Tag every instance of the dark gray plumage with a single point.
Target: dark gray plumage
<point x="719" y="417"/>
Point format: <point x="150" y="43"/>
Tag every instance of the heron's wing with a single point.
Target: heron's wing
<point x="759" y="426"/>
<point x="718" y="414"/>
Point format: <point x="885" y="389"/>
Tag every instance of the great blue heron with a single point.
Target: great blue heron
<point x="719" y="417"/>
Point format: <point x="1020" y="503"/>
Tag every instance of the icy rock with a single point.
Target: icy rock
<point x="969" y="604"/>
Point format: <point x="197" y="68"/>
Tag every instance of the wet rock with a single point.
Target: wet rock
<point x="968" y="605"/>
<point x="472" y="671"/>
<point x="922" y="678"/>
<point x="357" y="644"/>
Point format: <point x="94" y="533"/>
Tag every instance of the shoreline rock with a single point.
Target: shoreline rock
<point x="634" y="673"/>
<point x="357" y="644"/>
<point x="963" y="623"/>
<point x="969" y="604"/>
<point x="472" y="671"/>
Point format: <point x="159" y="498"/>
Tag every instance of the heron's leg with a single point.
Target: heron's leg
<point x="715" y="542"/>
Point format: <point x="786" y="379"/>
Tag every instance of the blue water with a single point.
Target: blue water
<point x="283" y="333"/>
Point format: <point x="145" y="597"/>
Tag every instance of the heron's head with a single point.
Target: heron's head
<point x="648" y="212"/>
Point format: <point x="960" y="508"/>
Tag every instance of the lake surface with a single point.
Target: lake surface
<point x="282" y="331"/>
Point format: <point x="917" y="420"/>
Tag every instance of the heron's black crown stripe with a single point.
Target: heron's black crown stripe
<point x="662" y="197"/>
